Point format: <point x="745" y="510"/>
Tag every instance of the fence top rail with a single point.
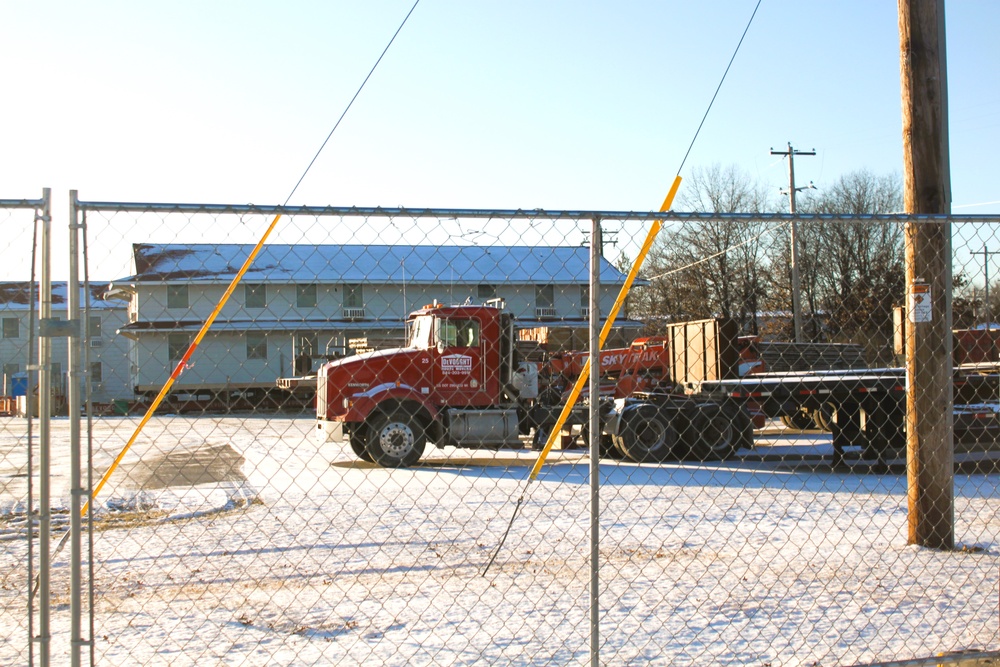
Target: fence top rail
<point x="22" y="203"/>
<point x="529" y="214"/>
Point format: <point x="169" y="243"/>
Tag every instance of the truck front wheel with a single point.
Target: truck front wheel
<point x="396" y="439"/>
<point x="359" y="445"/>
<point x="645" y="435"/>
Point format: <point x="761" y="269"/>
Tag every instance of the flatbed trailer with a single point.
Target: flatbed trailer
<point x="864" y="408"/>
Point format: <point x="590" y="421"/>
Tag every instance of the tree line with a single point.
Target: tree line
<point x="851" y="273"/>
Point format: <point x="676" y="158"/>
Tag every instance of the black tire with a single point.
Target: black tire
<point x="396" y="439"/>
<point x="359" y="444"/>
<point x="800" y="420"/>
<point x="712" y="435"/>
<point x="607" y="447"/>
<point x="646" y="434"/>
<point x="739" y="418"/>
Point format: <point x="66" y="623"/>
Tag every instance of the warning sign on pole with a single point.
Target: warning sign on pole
<point x="920" y="302"/>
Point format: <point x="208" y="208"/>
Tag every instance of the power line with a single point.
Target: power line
<point x="349" y="104"/>
<point x="718" y="88"/>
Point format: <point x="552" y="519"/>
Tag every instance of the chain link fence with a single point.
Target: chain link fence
<point x="20" y="514"/>
<point x="345" y="469"/>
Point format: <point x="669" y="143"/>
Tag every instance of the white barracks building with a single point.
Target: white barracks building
<point x="308" y="302"/>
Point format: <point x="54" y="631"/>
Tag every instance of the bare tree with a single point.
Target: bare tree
<point x="712" y="268"/>
<point x="852" y="272"/>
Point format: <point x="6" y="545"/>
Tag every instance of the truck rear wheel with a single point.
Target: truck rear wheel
<point x="713" y="435"/>
<point x="396" y="439"/>
<point x="799" y="420"/>
<point x="607" y="447"/>
<point x="645" y="435"/>
<point x="823" y="417"/>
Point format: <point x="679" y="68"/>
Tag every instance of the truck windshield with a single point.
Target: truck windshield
<point x="420" y="332"/>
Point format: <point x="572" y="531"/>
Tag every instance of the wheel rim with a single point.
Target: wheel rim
<point x="396" y="439"/>
<point x="651" y="436"/>
<point x="717" y="435"/>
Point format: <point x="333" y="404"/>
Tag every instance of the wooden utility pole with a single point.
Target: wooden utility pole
<point x="796" y="281"/>
<point x="927" y="190"/>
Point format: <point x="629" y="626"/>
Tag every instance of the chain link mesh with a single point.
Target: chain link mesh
<point x="16" y="463"/>
<point x="753" y="505"/>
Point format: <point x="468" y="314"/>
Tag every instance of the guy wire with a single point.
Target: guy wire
<point x="527" y="484"/>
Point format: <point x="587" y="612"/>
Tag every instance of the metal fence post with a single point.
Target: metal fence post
<point x="73" y="407"/>
<point x="595" y="440"/>
<point x="44" y="433"/>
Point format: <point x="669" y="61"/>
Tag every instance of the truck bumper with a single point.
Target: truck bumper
<point x="327" y="431"/>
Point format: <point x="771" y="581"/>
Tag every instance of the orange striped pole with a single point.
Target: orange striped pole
<point x="605" y="330"/>
<point x="183" y="363"/>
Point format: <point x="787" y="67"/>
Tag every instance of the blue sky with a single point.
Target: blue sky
<point x="513" y="104"/>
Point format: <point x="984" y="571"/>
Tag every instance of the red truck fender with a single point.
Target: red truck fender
<point x="365" y="403"/>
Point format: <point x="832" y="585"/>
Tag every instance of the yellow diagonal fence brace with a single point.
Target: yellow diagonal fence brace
<point x="605" y="330"/>
<point x="182" y="364"/>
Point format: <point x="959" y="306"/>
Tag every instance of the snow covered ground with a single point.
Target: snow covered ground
<point x="244" y="541"/>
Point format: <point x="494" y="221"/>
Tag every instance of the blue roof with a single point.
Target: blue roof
<point x="14" y="295"/>
<point x="368" y="264"/>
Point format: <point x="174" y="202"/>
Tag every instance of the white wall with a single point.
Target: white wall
<point x="221" y="359"/>
<point x="111" y="354"/>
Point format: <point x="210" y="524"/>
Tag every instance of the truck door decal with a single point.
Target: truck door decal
<point x="456" y="364"/>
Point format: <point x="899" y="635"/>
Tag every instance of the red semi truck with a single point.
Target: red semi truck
<point x="459" y="382"/>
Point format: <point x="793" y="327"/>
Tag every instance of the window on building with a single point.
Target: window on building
<point x="256" y="346"/>
<point x="354" y="296"/>
<point x="94" y="327"/>
<point x="11" y="327"/>
<point x="486" y="292"/>
<point x="545" y="301"/>
<point x="177" y="345"/>
<point x="255" y="295"/>
<point x="305" y="296"/>
<point x="545" y="296"/>
<point x="177" y="296"/>
<point x="96" y="373"/>
<point x="585" y="299"/>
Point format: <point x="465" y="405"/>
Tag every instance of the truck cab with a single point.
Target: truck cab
<point x="453" y="383"/>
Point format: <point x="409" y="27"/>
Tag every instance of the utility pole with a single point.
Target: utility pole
<point x="986" y="270"/>
<point x="927" y="190"/>
<point x="796" y="283"/>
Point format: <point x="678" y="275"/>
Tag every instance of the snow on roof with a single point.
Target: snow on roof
<point x="16" y="295"/>
<point x="368" y="264"/>
<point x="168" y="326"/>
